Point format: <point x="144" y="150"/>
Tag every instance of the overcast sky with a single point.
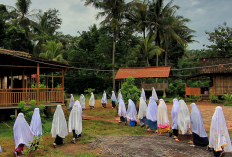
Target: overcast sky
<point x="204" y="15"/>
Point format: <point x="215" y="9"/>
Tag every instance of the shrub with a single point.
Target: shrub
<point x="213" y="97"/>
<point x="197" y="96"/>
<point x="40" y="86"/>
<point x="130" y="91"/>
<point x="228" y="99"/>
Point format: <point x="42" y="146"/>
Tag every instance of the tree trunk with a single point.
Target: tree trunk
<point x="147" y="62"/>
<point x="166" y="52"/>
<point x="113" y="55"/>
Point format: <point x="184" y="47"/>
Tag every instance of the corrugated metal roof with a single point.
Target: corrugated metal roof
<point x="143" y="72"/>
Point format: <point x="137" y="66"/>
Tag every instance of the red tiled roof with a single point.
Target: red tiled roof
<point x="143" y="72"/>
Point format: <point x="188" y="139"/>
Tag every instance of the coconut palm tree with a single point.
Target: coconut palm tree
<point x="164" y="23"/>
<point x="148" y="49"/>
<point x="112" y="11"/>
<point x="53" y="51"/>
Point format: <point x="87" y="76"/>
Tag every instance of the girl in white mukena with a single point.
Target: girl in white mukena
<point x="143" y="95"/>
<point x="82" y="101"/>
<point x="113" y="100"/>
<point x="22" y="134"/>
<point x="175" y="111"/>
<point x="142" y="112"/>
<point x="92" y="101"/>
<point x="162" y="117"/>
<point x="59" y="126"/>
<point x="219" y="136"/>
<point x="75" y="122"/>
<point x="154" y="95"/>
<point x="119" y="96"/>
<point x="72" y="101"/>
<point x="131" y="113"/>
<point x="122" y="111"/>
<point x="36" y="124"/>
<point x="104" y="100"/>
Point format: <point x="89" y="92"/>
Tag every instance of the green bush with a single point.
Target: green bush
<point x="228" y="99"/>
<point x="213" y="97"/>
<point x="197" y="96"/>
<point x="40" y="86"/>
<point x="130" y="91"/>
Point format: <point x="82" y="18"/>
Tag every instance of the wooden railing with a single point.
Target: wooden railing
<point x="14" y="96"/>
<point x="157" y="86"/>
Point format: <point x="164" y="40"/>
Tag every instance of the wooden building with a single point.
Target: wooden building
<point x="219" y="73"/>
<point x="146" y="72"/>
<point x="18" y="70"/>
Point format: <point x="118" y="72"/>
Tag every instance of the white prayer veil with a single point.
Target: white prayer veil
<point x="183" y="117"/>
<point x="152" y="110"/>
<point x="22" y="132"/>
<point x="131" y="111"/>
<point x="219" y="135"/>
<point x="175" y="110"/>
<point x="142" y="108"/>
<point x="143" y="95"/>
<point x="82" y="101"/>
<point x="36" y="124"/>
<point x="197" y="121"/>
<point x="162" y="116"/>
<point x="104" y="98"/>
<point x="71" y="101"/>
<point x="113" y="97"/>
<point x="121" y="108"/>
<point x="92" y="100"/>
<point x="59" y="124"/>
<point x="75" y="120"/>
<point x="119" y="95"/>
<point x="79" y="105"/>
<point x="154" y="95"/>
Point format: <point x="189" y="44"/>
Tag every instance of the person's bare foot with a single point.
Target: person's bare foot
<point x="149" y="129"/>
<point x="156" y="131"/>
<point x="190" y="142"/>
<point x="175" y="137"/>
<point x="177" y="140"/>
<point x="192" y="145"/>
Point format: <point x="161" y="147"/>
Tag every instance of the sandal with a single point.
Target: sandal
<point x="73" y="141"/>
<point x="54" y="145"/>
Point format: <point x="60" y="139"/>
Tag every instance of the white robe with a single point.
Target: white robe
<point x="154" y="95"/>
<point x="119" y="96"/>
<point x="142" y="108"/>
<point x="22" y="132"/>
<point x="104" y="98"/>
<point x="162" y="116"/>
<point x="82" y="101"/>
<point x="36" y="124"/>
<point x="175" y="110"/>
<point x="143" y="95"/>
<point x="59" y="124"/>
<point x="152" y="110"/>
<point x="71" y="101"/>
<point x="92" y="100"/>
<point x="121" y="109"/>
<point x="131" y="111"/>
<point x="219" y="135"/>
<point x="75" y="120"/>
<point x="183" y="117"/>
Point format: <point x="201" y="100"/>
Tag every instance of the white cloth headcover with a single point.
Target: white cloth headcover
<point x="143" y="95"/>
<point x="131" y="111"/>
<point x="121" y="108"/>
<point x="120" y="96"/>
<point x="79" y="105"/>
<point x="152" y="110"/>
<point x="59" y="124"/>
<point x="162" y="116"/>
<point x="104" y="98"/>
<point x="75" y="120"/>
<point x="36" y="124"/>
<point x="219" y="135"/>
<point x="113" y="97"/>
<point x="197" y="121"/>
<point x="22" y="132"/>
<point x="71" y="101"/>
<point x="175" y="110"/>
<point x="82" y="101"/>
<point x="92" y="100"/>
<point x="183" y="117"/>
<point x="154" y="95"/>
<point x="142" y="108"/>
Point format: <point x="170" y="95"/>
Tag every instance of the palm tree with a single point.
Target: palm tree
<point x="53" y="51"/>
<point x="148" y="49"/>
<point x="21" y="16"/>
<point x="163" y="23"/>
<point x="137" y="16"/>
<point x="113" y="12"/>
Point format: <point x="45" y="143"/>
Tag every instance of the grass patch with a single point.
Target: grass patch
<point x="103" y="113"/>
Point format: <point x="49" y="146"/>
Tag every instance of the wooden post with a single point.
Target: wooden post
<point x="164" y="88"/>
<point x="37" y="84"/>
<point x="63" y="73"/>
<point x="185" y="88"/>
<point x="16" y="113"/>
<point x="23" y="82"/>
<point x="52" y="82"/>
<point x="47" y="87"/>
<point x="121" y="83"/>
<point x="141" y="83"/>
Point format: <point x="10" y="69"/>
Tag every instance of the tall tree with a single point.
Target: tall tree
<point x="113" y="12"/>
<point x="163" y="23"/>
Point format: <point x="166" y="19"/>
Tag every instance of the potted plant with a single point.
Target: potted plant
<point x="213" y="97"/>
